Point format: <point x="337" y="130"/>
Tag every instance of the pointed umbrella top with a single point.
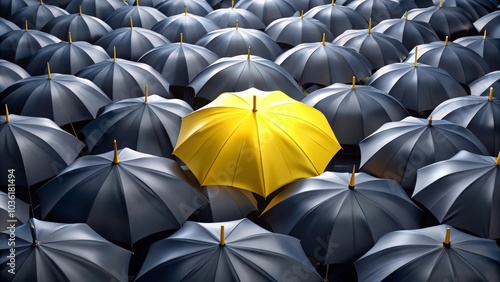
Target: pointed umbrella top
<point x="232" y="4"/>
<point x="497" y="163"/>
<point x="146" y="93"/>
<point x="80" y="10"/>
<point x="446" y="241"/>
<point x="236" y="25"/>
<point x="353" y="175"/>
<point x="26" y="26"/>
<point x="248" y="53"/>
<point x="301" y="14"/>
<point x="333" y="2"/>
<point x="131" y="23"/>
<point x="490" y="96"/>
<point x="353" y="82"/>
<point x="49" y="75"/>
<point x="440" y="4"/>
<point x="254" y="109"/>
<point x="446" y="41"/>
<point x="114" y="54"/>
<point x="484" y="36"/>
<point x="137" y="3"/>
<point x="70" y="39"/>
<point x="416" y="57"/>
<point x="181" y="38"/>
<point x="185" y="10"/>
<point x="41" y="2"/>
<point x="116" y="160"/>
<point x="430" y="121"/>
<point x="370" y="26"/>
<point x="7" y="117"/>
<point x="323" y="40"/>
<point x="406" y="16"/>
<point x="222" y="239"/>
<point x="32" y="226"/>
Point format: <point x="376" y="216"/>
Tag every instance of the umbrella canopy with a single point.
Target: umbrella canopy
<point x="460" y="62"/>
<point x="337" y="18"/>
<point x="480" y="114"/>
<point x="49" y="251"/>
<point x="463" y="192"/>
<point x="227" y="17"/>
<point x="340" y="216"/>
<point x="97" y="8"/>
<point x="18" y="46"/>
<point x="239" y="73"/>
<point x="121" y="79"/>
<point x="379" y="10"/>
<point x="259" y="146"/>
<point x="12" y="209"/>
<point x="37" y="15"/>
<point x="398" y="149"/>
<point x="306" y="5"/>
<point x="487" y="47"/>
<point x="209" y="252"/>
<point x="489" y="22"/>
<point x="419" y="87"/>
<point x="132" y="41"/>
<point x="195" y="7"/>
<point x="292" y="31"/>
<point x="142" y="16"/>
<point x="149" y="125"/>
<point x="149" y="3"/>
<point x="10" y="7"/>
<point x="60" y="97"/>
<point x="82" y="27"/>
<point x="378" y="48"/>
<point x="438" y="253"/>
<point x="140" y="195"/>
<point x="36" y="147"/>
<point x="228" y="42"/>
<point x="268" y="10"/>
<point x="410" y="33"/>
<point x="474" y="9"/>
<point x="354" y="112"/>
<point x="192" y="27"/>
<point x="482" y="85"/>
<point x="10" y="73"/>
<point x="6" y="26"/>
<point x="179" y="62"/>
<point x="66" y="57"/>
<point x="324" y="63"/>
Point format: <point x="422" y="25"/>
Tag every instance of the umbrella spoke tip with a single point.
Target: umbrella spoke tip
<point x="447" y="242"/>
<point x="116" y="160"/>
<point x="7" y="116"/>
<point x="222" y="239"/>
<point x="352" y="179"/>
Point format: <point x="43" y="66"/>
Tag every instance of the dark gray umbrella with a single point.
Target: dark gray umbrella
<point x="195" y="7"/>
<point x="409" y="32"/>
<point x="82" y="27"/>
<point x="232" y="41"/>
<point x="355" y="112"/>
<point x="473" y="8"/>
<point x="66" y="57"/>
<point x="142" y="16"/>
<point x="35" y="148"/>
<point x="60" y="97"/>
<point x="291" y="31"/>
<point x="179" y="62"/>
<point x="419" y="87"/>
<point x="460" y="62"/>
<point x="487" y="47"/>
<point x="339" y="218"/>
<point x="227" y="17"/>
<point x="268" y="10"/>
<point x="489" y="22"/>
<point x="123" y="195"/>
<point x="97" y="8"/>
<point x="324" y="63"/>
<point x="306" y="5"/>
<point x="192" y="27"/>
<point x="37" y="15"/>
<point x="226" y="251"/>
<point x="18" y="46"/>
<point x="480" y="114"/>
<point x="132" y="42"/>
<point x="482" y="85"/>
<point x="122" y="79"/>
<point x="380" y="49"/>
<point x="239" y="73"/>
<point x="398" y="149"/>
<point x="379" y="10"/>
<point x="463" y="191"/>
<point x="12" y="209"/>
<point x="149" y="3"/>
<point x="438" y="253"/>
<point x="149" y="125"/>
<point x="10" y="73"/>
<point x="50" y="251"/>
<point x="337" y="18"/>
<point x="10" y="7"/>
<point x="6" y="26"/>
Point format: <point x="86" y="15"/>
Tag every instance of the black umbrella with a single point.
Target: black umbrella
<point x="398" y="149"/>
<point x="60" y="97"/>
<point x="268" y="10"/>
<point x="306" y="5"/>
<point x="380" y="49"/>
<point x="324" y="63"/>
<point x="487" y="47"/>
<point x="179" y="62"/>
<point x="138" y="193"/>
<point x="149" y="3"/>
<point x="121" y="79"/>
<point x="12" y="210"/>
<point x="226" y="251"/>
<point x="132" y="41"/>
<point x="97" y="8"/>
<point x="195" y="7"/>
<point x="438" y="253"/>
<point x="10" y="73"/>
<point x="339" y="218"/>
<point x="474" y="8"/>
<point x="66" y="57"/>
<point x="83" y="27"/>
<point x="142" y="16"/>
<point x="482" y="85"/>
<point x="379" y="10"/>
<point x="18" y="46"/>
<point x="337" y="18"/>
<point x="49" y="251"/>
<point x="10" y="7"/>
<point x="227" y="17"/>
<point x="463" y="191"/>
<point x="193" y="27"/>
<point x="460" y="62"/>
<point x="37" y="15"/>
<point x="6" y="26"/>
<point x="232" y="41"/>
<point x="489" y="22"/>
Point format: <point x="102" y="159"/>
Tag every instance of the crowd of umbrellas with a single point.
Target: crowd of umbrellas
<point x="250" y="140"/>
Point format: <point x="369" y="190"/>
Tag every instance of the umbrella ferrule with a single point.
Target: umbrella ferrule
<point x="254" y="109"/>
<point x="447" y="242"/>
<point x="7" y="116"/>
<point x="352" y="179"/>
<point x="490" y="96"/>
<point x="222" y="239"/>
<point x="497" y="163"/>
<point x="116" y="160"/>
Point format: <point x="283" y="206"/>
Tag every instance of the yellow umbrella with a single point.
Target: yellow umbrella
<point x="255" y="140"/>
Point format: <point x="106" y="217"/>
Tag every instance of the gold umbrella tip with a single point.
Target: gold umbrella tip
<point x="236" y="25"/>
<point x="222" y="239"/>
<point x="490" y="96"/>
<point x="430" y="121"/>
<point x="49" y="74"/>
<point x="323" y="39"/>
<point x="353" y="82"/>
<point x="497" y="163"/>
<point x="254" y="109"/>
<point x="447" y="241"/>
<point x="446" y="41"/>
<point x="484" y="36"/>
<point x="116" y="160"/>
<point x="248" y="53"/>
<point x="370" y="26"/>
<point x="146" y="94"/>
<point x="7" y="116"/>
<point x="415" y="63"/>
<point x="353" y="176"/>
<point x="114" y="54"/>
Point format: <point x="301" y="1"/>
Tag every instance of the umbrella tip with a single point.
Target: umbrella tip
<point x="353" y="82"/>
<point x="232" y="4"/>
<point x="440" y="4"/>
<point x="70" y="39"/>
<point x="490" y="96"/>
<point x="406" y="15"/>
<point x="302" y="14"/>
<point x="26" y="25"/>
<point x="351" y="180"/>
<point x="80" y="10"/>
<point x="131" y="23"/>
<point x="248" y="53"/>
<point x="146" y="93"/>
<point x="370" y="26"/>
<point x="137" y="3"/>
<point x="430" y="121"/>
<point x="323" y="40"/>
<point x="116" y="160"/>
<point x="446" y="41"/>
<point x="49" y="75"/>
<point x="114" y="54"/>
<point x="497" y="163"/>
<point x="185" y="10"/>
<point x="7" y="116"/>
<point x="484" y="35"/>
<point x="254" y="109"/>
<point x="333" y="2"/>
<point x="237" y="24"/>
<point x="446" y="241"/>
<point x="326" y="274"/>
<point x="222" y="239"/>
<point x="41" y="2"/>
<point x="415" y="63"/>
<point x="181" y="38"/>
